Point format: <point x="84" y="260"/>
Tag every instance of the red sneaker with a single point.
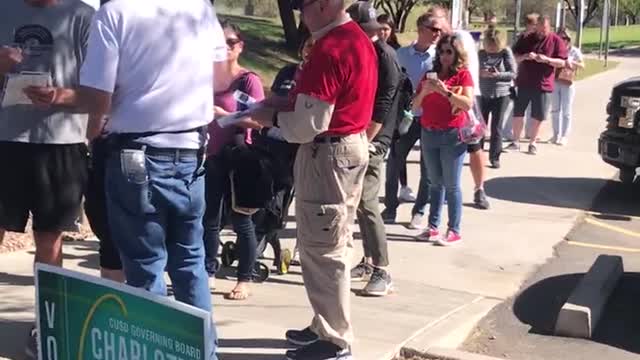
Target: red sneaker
<point x="452" y="238"/>
<point x="430" y="234"/>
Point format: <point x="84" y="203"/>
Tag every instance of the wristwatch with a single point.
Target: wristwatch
<point x="449" y="94"/>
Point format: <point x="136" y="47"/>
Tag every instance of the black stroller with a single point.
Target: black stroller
<point x="276" y="159"/>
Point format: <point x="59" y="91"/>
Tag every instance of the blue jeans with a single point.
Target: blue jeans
<point x="217" y="195"/>
<point x="444" y="156"/>
<point x="561" y="109"/>
<point x="155" y="216"/>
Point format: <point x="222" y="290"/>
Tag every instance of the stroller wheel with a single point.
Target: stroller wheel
<point x="228" y="255"/>
<point x="285" y="262"/>
<point x="261" y="272"/>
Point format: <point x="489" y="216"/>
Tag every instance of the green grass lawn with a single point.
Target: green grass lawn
<point x="595" y="66"/>
<point x="620" y="37"/>
<point x="266" y="54"/>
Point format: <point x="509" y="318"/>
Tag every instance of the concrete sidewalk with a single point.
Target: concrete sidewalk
<point x="535" y="201"/>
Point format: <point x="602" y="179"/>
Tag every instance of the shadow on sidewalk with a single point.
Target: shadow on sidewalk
<point x="252" y="344"/>
<point x="572" y="193"/>
<point x="223" y="356"/>
<point x="538" y="306"/>
<point x="15" y="280"/>
<point x="13" y="338"/>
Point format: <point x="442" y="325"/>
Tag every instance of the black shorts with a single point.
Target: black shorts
<point x="540" y="103"/>
<point x="95" y="207"/>
<point x="44" y="180"/>
<point x="473" y="148"/>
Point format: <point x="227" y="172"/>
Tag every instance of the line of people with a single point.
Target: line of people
<point x="163" y="179"/>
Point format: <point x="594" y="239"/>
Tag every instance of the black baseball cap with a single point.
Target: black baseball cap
<point x="365" y="15"/>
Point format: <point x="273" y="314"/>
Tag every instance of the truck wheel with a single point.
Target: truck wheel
<point x="627" y="175"/>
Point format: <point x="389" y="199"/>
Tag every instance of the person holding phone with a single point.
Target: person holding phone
<point x="444" y="101"/>
<point x="497" y="71"/>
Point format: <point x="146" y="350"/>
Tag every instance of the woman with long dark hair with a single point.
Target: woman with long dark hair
<point x="388" y="31"/>
<point x="232" y="78"/>
<point x="445" y="96"/>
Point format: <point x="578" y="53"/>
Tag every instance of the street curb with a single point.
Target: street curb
<point x="451" y="333"/>
<point x="579" y="316"/>
<point x="449" y="354"/>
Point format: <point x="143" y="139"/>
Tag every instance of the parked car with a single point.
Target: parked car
<point x="619" y="144"/>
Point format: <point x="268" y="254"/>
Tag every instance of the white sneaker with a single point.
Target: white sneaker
<point x="563" y="141"/>
<point x="418" y="221"/>
<point x="212" y="282"/>
<point x="406" y="194"/>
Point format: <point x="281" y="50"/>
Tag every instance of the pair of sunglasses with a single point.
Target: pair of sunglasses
<point x="231" y="42"/>
<point x="447" y="52"/>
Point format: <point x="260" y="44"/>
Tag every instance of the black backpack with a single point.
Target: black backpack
<point x="405" y="102"/>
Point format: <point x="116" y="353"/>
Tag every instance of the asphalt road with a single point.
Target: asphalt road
<point x="521" y="328"/>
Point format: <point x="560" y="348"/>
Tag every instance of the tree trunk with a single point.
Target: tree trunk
<point x="291" y="34"/>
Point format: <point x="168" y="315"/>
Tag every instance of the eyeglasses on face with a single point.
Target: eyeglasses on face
<point x="231" y="42"/>
<point x="432" y="28"/>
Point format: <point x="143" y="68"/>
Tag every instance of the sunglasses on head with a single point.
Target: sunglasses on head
<point x="231" y="42"/>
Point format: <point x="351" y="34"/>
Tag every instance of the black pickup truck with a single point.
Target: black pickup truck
<point x="619" y="144"/>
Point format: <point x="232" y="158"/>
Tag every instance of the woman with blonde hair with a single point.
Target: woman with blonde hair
<point x="497" y="71"/>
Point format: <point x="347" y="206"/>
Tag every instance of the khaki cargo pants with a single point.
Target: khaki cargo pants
<point x="328" y="183"/>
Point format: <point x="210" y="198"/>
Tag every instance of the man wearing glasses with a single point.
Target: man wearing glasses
<point x="417" y="60"/>
<point x="331" y="111"/>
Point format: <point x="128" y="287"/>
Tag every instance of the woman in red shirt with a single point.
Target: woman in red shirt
<point x="444" y="97"/>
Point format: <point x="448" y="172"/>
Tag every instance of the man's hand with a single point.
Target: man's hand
<point x="220" y="112"/>
<point x="9" y="57"/>
<point x="258" y="118"/>
<point x="42" y="96"/>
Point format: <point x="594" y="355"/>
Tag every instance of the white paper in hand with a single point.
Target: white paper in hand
<point x="16" y="83"/>
<point x="236" y="117"/>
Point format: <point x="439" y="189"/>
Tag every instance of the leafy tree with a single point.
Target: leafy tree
<point x="399" y="10"/>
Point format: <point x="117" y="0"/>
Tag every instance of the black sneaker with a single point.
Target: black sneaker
<point x="31" y="349"/>
<point x="495" y="164"/>
<point x="302" y="337"/>
<point x="380" y="283"/>
<point x="480" y="200"/>
<point x="533" y="150"/>
<point x="388" y="216"/>
<point x="362" y="271"/>
<point x="320" y="350"/>
<point x="512" y="147"/>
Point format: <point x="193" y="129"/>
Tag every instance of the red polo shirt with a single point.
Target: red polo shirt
<point x="535" y="75"/>
<point x="342" y="70"/>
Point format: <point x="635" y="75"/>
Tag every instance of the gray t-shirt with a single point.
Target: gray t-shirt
<point x="53" y="40"/>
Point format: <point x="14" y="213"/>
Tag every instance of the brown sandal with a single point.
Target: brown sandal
<point x="239" y="293"/>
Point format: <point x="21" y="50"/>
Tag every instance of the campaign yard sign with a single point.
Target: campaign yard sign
<point x="81" y="317"/>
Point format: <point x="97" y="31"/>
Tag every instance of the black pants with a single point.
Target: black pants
<point x="495" y="108"/>
<point x="400" y="149"/>
<point x="217" y="192"/>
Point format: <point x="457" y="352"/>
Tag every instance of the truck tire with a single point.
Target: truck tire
<point x="627" y="175"/>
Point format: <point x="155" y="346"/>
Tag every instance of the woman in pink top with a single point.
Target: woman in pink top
<point x="231" y="77"/>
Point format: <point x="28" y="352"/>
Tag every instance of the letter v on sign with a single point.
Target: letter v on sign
<point x="51" y="313"/>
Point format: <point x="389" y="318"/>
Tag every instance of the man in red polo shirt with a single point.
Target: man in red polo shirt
<point x="332" y="108"/>
<point x="539" y="54"/>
